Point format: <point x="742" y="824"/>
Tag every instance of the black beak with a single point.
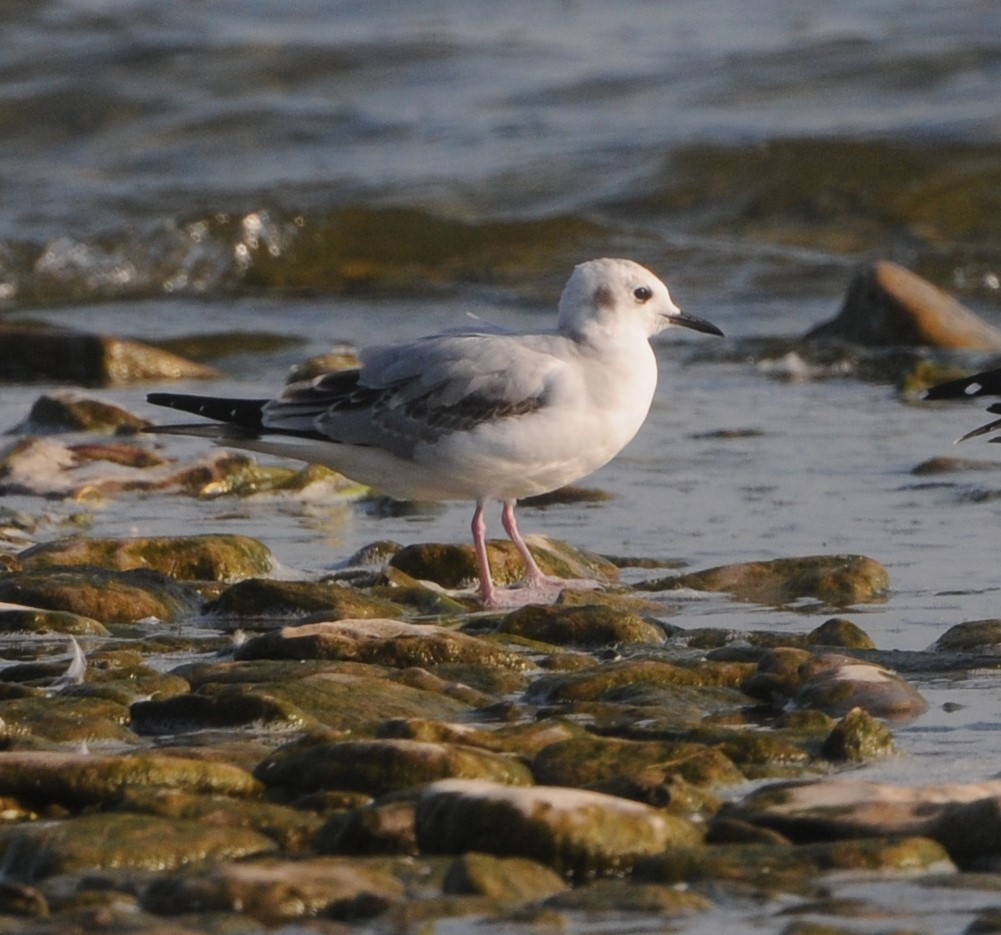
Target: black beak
<point x="696" y="324"/>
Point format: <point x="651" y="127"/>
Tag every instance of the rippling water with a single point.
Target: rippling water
<point x="360" y="171"/>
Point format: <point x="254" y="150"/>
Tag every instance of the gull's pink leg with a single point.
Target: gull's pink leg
<point x="545" y="586"/>
<point x="533" y="574"/>
<point x="487" y="592"/>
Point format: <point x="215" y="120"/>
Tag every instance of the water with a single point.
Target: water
<point x="169" y="169"/>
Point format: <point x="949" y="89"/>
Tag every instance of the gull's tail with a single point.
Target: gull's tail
<point x="240" y="418"/>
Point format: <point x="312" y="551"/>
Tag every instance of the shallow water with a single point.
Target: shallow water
<point x="176" y="169"/>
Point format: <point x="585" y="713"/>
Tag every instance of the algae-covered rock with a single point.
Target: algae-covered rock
<point x="385" y="827"/>
<point x="31" y="353"/>
<point x="971" y="636"/>
<point x="596" y="762"/>
<point x="218" y="708"/>
<point x="839" y="580"/>
<point x="780" y="868"/>
<point x="65" y="720"/>
<point x="377" y="767"/>
<point x="261" y="597"/>
<point x="21" y="900"/>
<point x="380" y="642"/>
<point x="588" y="625"/>
<point x="888" y="305"/>
<point x="575" y="832"/>
<point x="57" y="412"/>
<point x="111" y="840"/>
<point x="856" y="738"/>
<point x="275" y="891"/>
<point x="621" y="896"/>
<point x="504" y="879"/>
<point x="105" y="595"/>
<point x="964" y="818"/>
<point x="15" y="619"/>
<point x="293" y="829"/>
<point x="833" y="684"/>
<point x="454" y="566"/>
<point x="206" y="557"/>
<point x="837" y="684"/>
<point x="284" y="696"/>
<point x="839" y="632"/>
<point x="597" y="682"/>
<point x="75" y="780"/>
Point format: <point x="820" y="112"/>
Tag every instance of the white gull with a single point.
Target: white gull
<point x="475" y="415"/>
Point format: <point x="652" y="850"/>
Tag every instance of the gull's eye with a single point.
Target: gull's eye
<point x="643" y="293"/>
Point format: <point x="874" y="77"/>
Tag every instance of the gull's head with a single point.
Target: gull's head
<point x="608" y="297"/>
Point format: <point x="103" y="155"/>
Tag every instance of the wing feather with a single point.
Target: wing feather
<point x="405" y="395"/>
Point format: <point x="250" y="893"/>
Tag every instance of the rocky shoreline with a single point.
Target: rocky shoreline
<point x="230" y="750"/>
<point x="197" y="741"/>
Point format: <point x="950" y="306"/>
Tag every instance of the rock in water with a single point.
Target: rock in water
<point x="888" y="305"/>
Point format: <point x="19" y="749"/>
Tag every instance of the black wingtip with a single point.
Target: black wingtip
<point x="987" y="383"/>
<point x="244" y="413"/>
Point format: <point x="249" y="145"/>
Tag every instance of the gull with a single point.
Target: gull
<point x="987" y="383"/>
<point x="475" y="415"/>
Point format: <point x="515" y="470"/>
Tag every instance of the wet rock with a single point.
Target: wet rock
<point x="210" y="557"/>
<point x="598" y="682"/>
<point x="856" y="738"/>
<point x="342" y="357"/>
<point x="213" y="345"/>
<point x="888" y="305"/>
<point x="58" y="412"/>
<point x="503" y="879"/>
<point x="123" y="684"/>
<point x="110" y="840"/>
<point x="104" y="595"/>
<point x="275" y="891"/>
<point x="587" y="625"/>
<point x="839" y="632"/>
<point x="964" y="818"/>
<point x="14" y="619"/>
<point x="220" y="708"/>
<point x="19" y="899"/>
<point x="839" y="580"/>
<point x="385" y="827"/>
<point x="75" y="780"/>
<point x="284" y="696"/>
<point x="603" y="763"/>
<point x="837" y="684"/>
<point x="619" y="896"/>
<point x="292" y="829"/>
<point x="454" y="566"/>
<point x="833" y="684"/>
<point x="261" y="597"/>
<point x="971" y="636"/>
<point x="380" y="642"/>
<point x="577" y="833"/>
<point x="251" y="478"/>
<point x="31" y="354"/>
<point x="377" y="767"/>
<point x="65" y="720"/>
<point x="47" y="467"/>
<point x="944" y="465"/>
<point x="780" y="868"/>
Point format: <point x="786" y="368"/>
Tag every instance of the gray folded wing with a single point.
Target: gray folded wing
<point x="405" y="395"/>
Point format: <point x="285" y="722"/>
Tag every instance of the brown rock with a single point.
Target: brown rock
<point x="888" y="305"/>
<point x="839" y="580"/>
<point x="31" y="353"/>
